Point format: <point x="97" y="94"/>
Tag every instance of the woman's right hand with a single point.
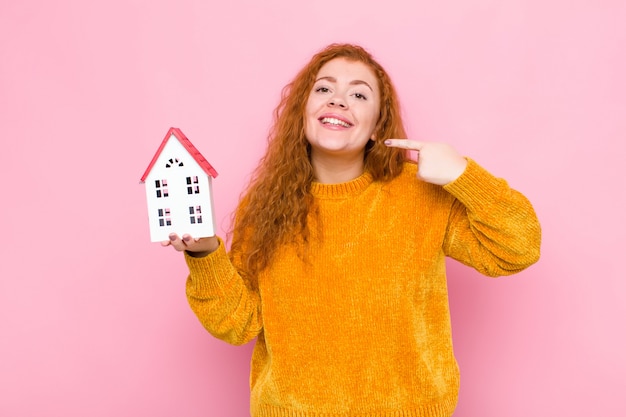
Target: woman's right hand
<point x="196" y="248"/>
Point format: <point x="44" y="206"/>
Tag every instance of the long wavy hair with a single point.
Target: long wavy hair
<point x="274" y="207"/>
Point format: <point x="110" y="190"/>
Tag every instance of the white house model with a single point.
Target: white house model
<point x="178" y="189"/>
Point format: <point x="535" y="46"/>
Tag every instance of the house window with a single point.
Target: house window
<point x="165" y="218"/>
<point x="192" y="185"/>
<point x="173" y="162"/>
<point x="161" y="188"/>
<point x="195" y="214"/>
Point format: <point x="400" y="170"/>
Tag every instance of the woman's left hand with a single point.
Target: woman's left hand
<point x="438" y="163"/>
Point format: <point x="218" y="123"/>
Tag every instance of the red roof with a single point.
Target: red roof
<point x="201" y="160"/>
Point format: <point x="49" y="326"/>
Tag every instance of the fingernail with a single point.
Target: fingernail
<point x="187" y="238"/>
<point x="172" y="237"/>
<point x="387" y="142"/>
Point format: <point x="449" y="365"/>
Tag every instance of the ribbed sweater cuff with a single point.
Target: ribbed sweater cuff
<point x="211" y="273"/>
<point x="443" y="409"/>
<point x="476" y="188"/>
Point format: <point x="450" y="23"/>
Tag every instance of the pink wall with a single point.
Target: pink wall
<point x="93" y="317"/>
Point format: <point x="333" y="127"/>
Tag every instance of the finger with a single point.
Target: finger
<point x="188" y="240"/>
<point x="191" y="243"/>
<point x="177" y="242"/>
<point x="405" y="144"/>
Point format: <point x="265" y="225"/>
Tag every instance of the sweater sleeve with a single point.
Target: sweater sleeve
<point x="218" y="296"/>
<point x="492" y="227"/>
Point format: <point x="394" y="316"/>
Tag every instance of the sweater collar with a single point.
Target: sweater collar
<point x="342" y="190"/>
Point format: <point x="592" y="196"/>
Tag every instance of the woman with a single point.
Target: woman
<point x="337" y="264"/>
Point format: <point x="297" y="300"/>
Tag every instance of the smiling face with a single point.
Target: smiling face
<point x="342" y="110"/>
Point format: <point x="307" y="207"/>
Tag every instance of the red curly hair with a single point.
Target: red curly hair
<point x="274" y="207"/>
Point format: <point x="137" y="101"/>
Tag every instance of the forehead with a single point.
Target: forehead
<point x="342" y="69"/>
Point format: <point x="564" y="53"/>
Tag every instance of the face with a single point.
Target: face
<point x="342" y="110"/>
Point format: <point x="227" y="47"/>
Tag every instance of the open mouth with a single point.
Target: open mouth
<point x="335" y="122"/>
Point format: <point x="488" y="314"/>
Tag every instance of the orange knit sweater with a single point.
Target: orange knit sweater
<point x="362" y="328"/>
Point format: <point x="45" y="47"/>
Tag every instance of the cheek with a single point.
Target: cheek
<point x="373" y="119"/>
<point x="312" y="105"/>
<point x="311" y="110"/>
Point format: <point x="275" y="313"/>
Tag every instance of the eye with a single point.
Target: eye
<point x="360" y="96"/>
<point x="322" y="90"/>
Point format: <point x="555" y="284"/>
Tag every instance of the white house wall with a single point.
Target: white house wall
<point x="178" y="201"/>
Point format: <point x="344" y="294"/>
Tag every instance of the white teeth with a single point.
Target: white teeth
<point x="333" y="121"/>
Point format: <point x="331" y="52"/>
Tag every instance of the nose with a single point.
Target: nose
<point x="337" y="101"/>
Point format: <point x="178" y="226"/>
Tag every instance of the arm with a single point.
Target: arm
<point x="217" y="294"/>
<point x="492" y="227"/>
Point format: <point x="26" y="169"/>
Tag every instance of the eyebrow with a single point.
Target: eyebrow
<point x="353" y="82"/>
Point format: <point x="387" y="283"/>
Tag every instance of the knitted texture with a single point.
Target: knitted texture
<point x="360" y="327"/>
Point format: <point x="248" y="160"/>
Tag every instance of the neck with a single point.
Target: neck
<point x="336" y="170"/>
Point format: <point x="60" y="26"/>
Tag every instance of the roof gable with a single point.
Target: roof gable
<point x="195" y="153"/>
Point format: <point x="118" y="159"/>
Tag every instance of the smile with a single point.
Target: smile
<point x="335" y="122"/>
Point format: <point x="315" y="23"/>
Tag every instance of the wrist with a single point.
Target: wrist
<point x="211" y="245"/>
<point x="198" y="254"/>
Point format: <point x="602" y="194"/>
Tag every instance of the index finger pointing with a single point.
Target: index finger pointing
<point x="405" y="144"/>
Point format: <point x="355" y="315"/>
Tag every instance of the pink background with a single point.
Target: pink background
<point x="93" y="317"/>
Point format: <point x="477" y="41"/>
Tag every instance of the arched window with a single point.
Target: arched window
<point x="173" y="162"/>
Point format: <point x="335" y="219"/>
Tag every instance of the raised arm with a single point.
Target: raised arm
<point x="491" y="227"/>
